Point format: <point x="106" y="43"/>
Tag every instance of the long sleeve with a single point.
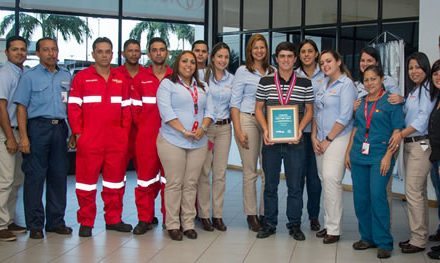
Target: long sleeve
<point x="74" y="107"/>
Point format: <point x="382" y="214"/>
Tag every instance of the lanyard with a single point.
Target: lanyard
<point x="369" y="116"/>
<point x="194" y="95"/>
<point x="284" y="100"/>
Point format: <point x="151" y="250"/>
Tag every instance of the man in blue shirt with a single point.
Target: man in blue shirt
<point x="41" y="99"/>
<point x="11" y="175"/>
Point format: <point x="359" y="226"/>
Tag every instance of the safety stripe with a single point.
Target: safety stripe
<point x="91" y="99"/>
<point x="136" y="102"/>
<point x="126" y="103"/>
<point x="143" y="183"/>
<point x="149" y="100"/>
<point x="113" y="185"/>
<point x="76" y="100"/>
<point x="116" y="99"/>
<point x="85" y="187"/>
<point x="163" y="180"/>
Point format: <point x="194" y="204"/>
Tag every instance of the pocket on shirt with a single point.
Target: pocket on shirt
<point x="40" y="94"/>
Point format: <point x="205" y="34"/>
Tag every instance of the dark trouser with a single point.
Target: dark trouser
<point x="293" y="156"/>
<point x="46" y="162"/>
<point x="435" y="179"/>
<point x="312" y="181"/>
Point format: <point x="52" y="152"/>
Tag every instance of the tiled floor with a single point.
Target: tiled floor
<point x="237" y="244"/>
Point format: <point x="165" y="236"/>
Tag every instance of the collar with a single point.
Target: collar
<point x="226" y="76"/>
<point x="14" y="67"/>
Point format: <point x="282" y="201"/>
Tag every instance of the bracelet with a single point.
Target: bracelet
<point x="183" y="131"/>
<point x="328" y="139"/>
<point x="204" y="128"/>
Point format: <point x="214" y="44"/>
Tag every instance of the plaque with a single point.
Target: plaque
<point x="282" y="123"/>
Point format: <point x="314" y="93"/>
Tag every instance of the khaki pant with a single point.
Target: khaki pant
<point x="331" y="170"/>
<point x="11" y="178"/>
<point x="217" y="160"/>
<point x="182" y="170"/>
<point x="249" y="158"/>
<point x="417" y="166"/>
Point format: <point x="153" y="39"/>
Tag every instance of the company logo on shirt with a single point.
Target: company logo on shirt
<point x="91" y="80"/>
<point x="146" y="82"/>
<point x="117" y="81"/>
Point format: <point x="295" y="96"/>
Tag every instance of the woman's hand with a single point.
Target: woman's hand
<point x="395" y="98"/>
<point x="316" y="145"/>
<point x="324" y="145"/>
<point x="199" y="133"/>
<point x="385" y="164"/>
<point x="347" y="160"/>
<point x="242" y="139"/>
<point x="395" y="140"/>
<point x="356" y="105"/>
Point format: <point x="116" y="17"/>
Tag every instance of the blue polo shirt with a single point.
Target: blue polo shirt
<point x="44" y="93"/>
<point x="417" y="108"/>
<point x="221" y="91"/>
<point x="9" y="76"/>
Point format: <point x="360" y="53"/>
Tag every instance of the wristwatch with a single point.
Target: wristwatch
<point x="328" y="139"/>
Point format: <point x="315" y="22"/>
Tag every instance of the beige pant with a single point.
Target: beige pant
<point x="182" y="170"/>
<point x="217" y="160"/>
<point x="331" y="170"/>
<point x="11" y="178"/>
<point x="249" y="158"/>
<point x="417" y="166"/>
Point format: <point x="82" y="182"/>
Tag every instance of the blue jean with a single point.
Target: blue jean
<point x="311" y="178"/>
<point x="47" y="162"/>
<point x="293" y="157"/>
<point x="371" y="204"/>
<point x="435" y="179"/>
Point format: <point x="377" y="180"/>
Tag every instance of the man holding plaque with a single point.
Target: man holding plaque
<point x="284" y="107"/>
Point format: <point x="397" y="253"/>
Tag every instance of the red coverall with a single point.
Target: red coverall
<point x="99" y="111"/>
<point x="147" y="122"/>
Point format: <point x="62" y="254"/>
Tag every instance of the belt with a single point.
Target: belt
<point x="14" y="128"/>
<point x="250" y="113"/>
<point x="415" y="138"/>
<point x="49" y="121"/>
<point x="223" y="122"/>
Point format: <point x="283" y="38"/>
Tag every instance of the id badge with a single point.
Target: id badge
<point x="64" y="96"/>
<point x="365" y="148"/>
<point x="424" y="145"/>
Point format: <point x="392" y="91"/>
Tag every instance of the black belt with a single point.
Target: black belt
<point x="49" y="121"/>
<point x="14" y="128"/>
<point x="250" y="113"/>
<point x="223" y="122"/>
<point x="415" y="138"/>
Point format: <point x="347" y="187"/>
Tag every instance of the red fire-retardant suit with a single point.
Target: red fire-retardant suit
<point x="146" y="160"/>
<point x="99" y="112"/>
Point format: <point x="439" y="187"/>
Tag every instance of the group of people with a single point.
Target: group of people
<point x="175" y="124"/>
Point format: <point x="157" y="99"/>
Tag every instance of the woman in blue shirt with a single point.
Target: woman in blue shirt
<point x="185" y="108"/>
<point x="331" y="129"/>
<point x="247" y="131"/>
<point x="371" y="162"/>
<point x="418" y="106"/>
<point x="219" y="140"/>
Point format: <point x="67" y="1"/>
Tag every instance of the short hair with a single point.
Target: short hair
<point x="131" y="41"/>
<point x="154" y="40"/>
<point x="287" y="46"/>
<point x="15" y="38"/>
<point x="101" y="40"/>
<point x="198" y="42"/>
<point x="37" y="46"/>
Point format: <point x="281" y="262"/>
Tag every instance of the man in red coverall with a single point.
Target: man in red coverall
<point x="99" y="116"/>
<point x="147" y="123"/>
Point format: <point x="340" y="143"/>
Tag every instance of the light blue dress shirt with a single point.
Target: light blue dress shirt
<point x="244" y="89"/>
<point x="388" y="82"/>
<point x="317" y="79"/>
<point x="44" y="93"/>
<point x="9" y="76"/>
<point x="175" y="102"/>
<point x="221" y="92"/>
<point x="417" y="108"/>
<point x="334" y="104"/>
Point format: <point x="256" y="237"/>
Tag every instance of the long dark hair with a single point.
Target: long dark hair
<point x="174" y="77"/>
<point x="434" y="92"/>
<point x="299" y="63"/>
<point x="210" y="69"/>
<point x="424" y="64"/>
<point x="335" y="54"/>
<point x="372" y="52"/>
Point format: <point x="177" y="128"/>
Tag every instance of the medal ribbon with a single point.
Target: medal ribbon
<point x="194" y="95"/>
<point x="284" y="100"/>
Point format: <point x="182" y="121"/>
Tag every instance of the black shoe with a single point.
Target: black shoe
<point x="155" y="221"/>
<point x="410" y="249"/>
<point x="206" y="224"/>
<point x="142" y="228"/>
<point x="120" y="227"/>
<point x="330" y="239"/>
<point x="296" y="233"/>
<point x="434" y="254"/>
<point x="175" y="234"/>
<point x="61" y="230"/>
<point x="266" y="231"/>
<point x="262" y="220"/>
<point x="36" y="234"/>
<point x="314" y="224"/>
<point x="16" y="229"/>
<point x="85" y="231"/>
<point x="362" y="245"/>
<point x="190" y="233"/>
<point x="382" y="253"/>
<point x="435" y="248"/>
<point x="322" y="233"/>
<point x="403" y="244"/>
<point x="434" y="237"/>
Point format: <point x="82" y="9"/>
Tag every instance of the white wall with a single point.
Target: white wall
<point x="429" y="30"/>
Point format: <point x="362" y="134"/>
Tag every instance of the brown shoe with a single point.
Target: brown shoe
<point x="403" y="244"/>
<point x="190" y="233"/>
<point x="218" y="224"/>
<point x="322" y="233"/>
<point x="175" y="234"/>
<point x="6" y="235"/>
<point x="382" y="253"/>
<point x="16" y="229"/>
<point x="330" y="239"/>
<point x="253" y="223"/>
<point x="362" y="245"/>
<point x="410" y="249"/>
<point x="207" y="225"/>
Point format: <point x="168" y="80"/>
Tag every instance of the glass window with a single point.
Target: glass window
<point x="408" y="31"/>
<point x="256" y="14"/>
<point x="359" y="10"/>
<point x="4" y="33"/>
<point x="191" y="10"/>
<point x="7" y="3"/>
<point x="233" y="41"/>
<point x="228" y="16"/>
<point x="400" y="8"/>
<point x="286" y="13"/>
<point x="276" y="39"/>
<point x="102" y="7"/>
<point x="321" y="12"/>
<point x="324" y="38"/>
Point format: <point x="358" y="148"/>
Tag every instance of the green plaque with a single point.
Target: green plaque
<point x="282" y="123"/>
